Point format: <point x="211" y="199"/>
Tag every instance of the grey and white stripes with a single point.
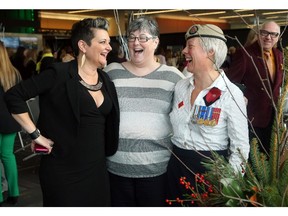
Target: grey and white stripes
<point x="145" y="128"/>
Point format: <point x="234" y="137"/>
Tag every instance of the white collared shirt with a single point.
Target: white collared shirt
<point x="191" y="133"/>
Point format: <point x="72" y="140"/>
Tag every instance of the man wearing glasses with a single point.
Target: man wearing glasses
<point x="262" y="80"/>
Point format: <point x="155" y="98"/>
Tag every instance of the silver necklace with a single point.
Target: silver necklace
<point x="95" y="87"/>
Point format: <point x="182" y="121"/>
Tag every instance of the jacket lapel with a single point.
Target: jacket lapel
<point x="72" y="89"/>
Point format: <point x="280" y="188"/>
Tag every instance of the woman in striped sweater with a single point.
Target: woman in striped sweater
<point x="145" y="91"/>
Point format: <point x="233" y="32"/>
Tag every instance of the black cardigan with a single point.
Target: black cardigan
<point x="59" y="116"/>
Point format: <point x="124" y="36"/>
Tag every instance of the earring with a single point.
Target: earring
<point x="83" y="59"/>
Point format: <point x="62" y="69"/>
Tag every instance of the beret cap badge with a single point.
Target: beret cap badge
<point x="193" y="29"/>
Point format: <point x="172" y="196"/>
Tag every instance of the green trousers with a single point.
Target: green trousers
<point x="7" y="157"/>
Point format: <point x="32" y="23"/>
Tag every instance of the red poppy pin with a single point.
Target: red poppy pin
<point x="212" y="96"/>
<point x="180" y="104"/>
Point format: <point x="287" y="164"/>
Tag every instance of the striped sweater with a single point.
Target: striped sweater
<point x="145" y="129"/>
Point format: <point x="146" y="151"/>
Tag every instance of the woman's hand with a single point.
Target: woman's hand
<point x="43" y="142"/>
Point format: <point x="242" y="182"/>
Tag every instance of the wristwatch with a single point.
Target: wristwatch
<point x="35" y="134"/>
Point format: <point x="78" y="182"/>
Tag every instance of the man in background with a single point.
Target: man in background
<point x="46" y="60"/>
<point x="262" y="82"/>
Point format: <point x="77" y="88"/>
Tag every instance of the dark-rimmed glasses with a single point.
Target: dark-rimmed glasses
<point x="142" y="38"/>
<point x="266" y="33"/>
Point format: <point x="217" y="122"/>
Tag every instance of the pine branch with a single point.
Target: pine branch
<point x="282" y="185"/>
<point x="259" y="163"/>
<point x="274" y="153"/>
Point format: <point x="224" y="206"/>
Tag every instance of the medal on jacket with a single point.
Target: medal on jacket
<point x="206" y="115"/>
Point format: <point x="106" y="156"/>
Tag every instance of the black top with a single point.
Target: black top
<point x="7" y="122"/>
<point x="59" y="104"/>
<point x="46" y="62"/>
<point x="29" y="70"/>
<point x="75" y="172"/>
<point x="81" y="179"/>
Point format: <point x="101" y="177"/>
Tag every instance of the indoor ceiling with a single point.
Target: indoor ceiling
<point x="236" y="18"/>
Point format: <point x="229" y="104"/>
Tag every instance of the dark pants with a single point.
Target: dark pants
<point x="264" y="135"/>
<point x="177" y="169"/>
<point x="138" y="192"/>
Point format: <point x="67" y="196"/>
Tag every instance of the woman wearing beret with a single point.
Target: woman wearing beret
<point x="209" y="112"/>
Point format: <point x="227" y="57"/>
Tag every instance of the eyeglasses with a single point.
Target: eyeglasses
<point x="142" y="38"/>
<point x="266" y="34"/>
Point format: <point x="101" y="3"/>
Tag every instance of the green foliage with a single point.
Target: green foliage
<point x="283" y="183"/>
<point x="270" y="196"/>
<point x="231" y="189"/>
<point x="260" y="164"/>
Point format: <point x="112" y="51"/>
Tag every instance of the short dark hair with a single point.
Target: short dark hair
<point x="82" y="30"/>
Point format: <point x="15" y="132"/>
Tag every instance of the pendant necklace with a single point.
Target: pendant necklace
<point x="95" y="87"/>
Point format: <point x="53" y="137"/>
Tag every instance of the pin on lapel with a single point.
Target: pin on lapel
<point x="180" y="104"/>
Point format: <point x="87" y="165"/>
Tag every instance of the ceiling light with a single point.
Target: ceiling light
<point x="272" y="17"/>
<point x="63" y="16"/>
<point x="236" y="16"/>
<point x="204" y="19"/>
<point x="242" y="10"/>
<point x="208" y="13"/>
<point x="81" y="11"/>
<point x="156" y="12"/>
<point x="276" y="12"/>
<point x="284" y="23"/>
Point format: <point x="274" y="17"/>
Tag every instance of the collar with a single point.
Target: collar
<point x="219" y="83"/>
<point x="47" y="55"/>
<point x="269" y="52"/>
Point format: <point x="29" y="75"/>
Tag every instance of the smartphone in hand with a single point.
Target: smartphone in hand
<point x="40" y="149"/>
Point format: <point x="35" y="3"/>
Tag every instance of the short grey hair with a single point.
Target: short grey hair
<point x="218" y="46"/>
<point x="144" y="23"/>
